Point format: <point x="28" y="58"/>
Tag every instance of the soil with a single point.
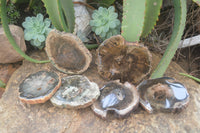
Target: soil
<point x="6" y="70"/>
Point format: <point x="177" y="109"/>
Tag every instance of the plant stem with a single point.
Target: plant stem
<point x="179" y="25"/>
<point x="190" y="76"/>
<point x="10" y="37"/>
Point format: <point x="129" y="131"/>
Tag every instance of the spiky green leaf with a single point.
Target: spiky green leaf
<point x="62" y="17"/>
<point x="133" y="19"/>
<point x="53" y="11"/>
<point x="152" y="12"/>
<point x="68" y="9"/>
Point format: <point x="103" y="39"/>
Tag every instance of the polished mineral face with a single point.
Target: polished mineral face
<point x="118" y="59"/>
<point x="113" y="98"/>
<point x="116" y="97"/>
<point x="67" y="53"/>
<point x="76" y="92"/>
<point x="39" y="87"/>
<point x="163" y="94"/>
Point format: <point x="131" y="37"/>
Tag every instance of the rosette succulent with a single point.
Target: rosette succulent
<point x="36" y="30"/>
<point x="105" y="22"/>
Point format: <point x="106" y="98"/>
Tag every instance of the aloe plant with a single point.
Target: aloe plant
<point x="139" y="18"/>
<point x="10" y="37"/>
<point x="61" y="13"/>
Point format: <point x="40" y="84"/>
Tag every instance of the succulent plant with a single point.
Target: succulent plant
<point x="36" y="30"/>
<point x="105" y="22"/>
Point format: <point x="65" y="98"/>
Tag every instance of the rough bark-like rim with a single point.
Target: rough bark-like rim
<point x="44" y="98"/>
<point x="79" y="45"/>
<point x="54" y="100"/>
<point x="122" y="40"/>
<point x="150" y="109"/>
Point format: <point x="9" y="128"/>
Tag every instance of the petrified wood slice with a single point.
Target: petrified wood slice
<point x="39" y="87"/>
<point x="116" y="97"/>
<point x="76" y="92"/>
<point x="67" y="52"/>
<point x="118" y="59"/>
<point x="163" y="94"/>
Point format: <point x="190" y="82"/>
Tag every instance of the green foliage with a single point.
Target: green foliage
<point x="133" y="19"/>
<point x="105" y="22"/>
<point x="2" y="84"/>
<point x="179" y="25"/>
<point x="36" y="30"/>
<point x="139" y="18"/>
<point x="152" y="11"/>
<point x="10" y="37"/>
<point x="19" y="1"/>
<point x="37" y="7"/>
<point x="61" y="13"/>
<point x="104" y="3"/>
<point x="68" y="11"/>
<point x="12" y="13"/>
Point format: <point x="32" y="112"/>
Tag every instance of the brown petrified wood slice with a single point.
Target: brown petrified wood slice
<point x="118" y="59"/>
<point x="163" y="94"/>
<point x="117" y="97"/>
<point x="39" y="87"/>
<point x="76" y="92"/>
<point x="67" y="52"/>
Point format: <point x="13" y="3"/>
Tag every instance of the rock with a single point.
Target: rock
<point x="7" y="52"/>
<point x="82" y="19"/>
<point x="6" y="70"/>
<point x="15" y="116"/>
